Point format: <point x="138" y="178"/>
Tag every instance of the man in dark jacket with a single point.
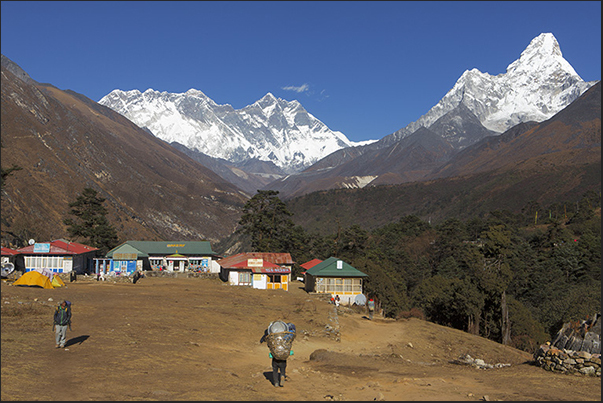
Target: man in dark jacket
<point x="62" y="319"/>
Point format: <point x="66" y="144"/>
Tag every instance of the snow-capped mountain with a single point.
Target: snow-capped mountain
<point x="534" y="88"/>
<point x="271" y="129"/>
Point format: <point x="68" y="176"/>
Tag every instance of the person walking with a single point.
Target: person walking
<point x="371" y="308"/>
<point x="138" y="274"/>
<point x="62" y="320"/>
<point x="279" y="344"/>
<point x="278" y="366"/>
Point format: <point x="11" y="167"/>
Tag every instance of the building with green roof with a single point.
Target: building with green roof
<point x="159" y="255"/>
<point x="336" y="277"/>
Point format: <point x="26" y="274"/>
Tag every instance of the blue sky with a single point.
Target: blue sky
<point x="366" y="69"/>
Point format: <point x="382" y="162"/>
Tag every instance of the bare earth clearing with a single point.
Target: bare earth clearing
<point x="198" y="339"/>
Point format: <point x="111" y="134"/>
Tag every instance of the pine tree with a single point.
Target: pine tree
<point x="91" y="222"/>
<point x="267" y="221"/>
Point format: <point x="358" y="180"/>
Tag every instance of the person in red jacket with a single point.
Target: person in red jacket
<point x="371" y="308"/>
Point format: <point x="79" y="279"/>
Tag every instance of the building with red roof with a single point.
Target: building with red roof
<point x="258" y="270"/>
<point x="58" y="256"/>
<point x="9" y="256"/>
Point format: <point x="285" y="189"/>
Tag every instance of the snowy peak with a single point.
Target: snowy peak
<point x="534" y="88"/>
<point x="271" y="129"/>
<point x="542" y="54"/>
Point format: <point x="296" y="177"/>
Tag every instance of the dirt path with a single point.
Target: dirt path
<point x="198" y="339"/>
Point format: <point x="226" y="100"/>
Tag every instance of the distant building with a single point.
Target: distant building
<point x="336" y="277"/>
<point x="58" y="256"/>
<point x="259" y="270"/>
<point x="308" y="265"/>
<point x="173" y="256"/>
<point x="9" y="255"/>
<point x="9" y="261"/>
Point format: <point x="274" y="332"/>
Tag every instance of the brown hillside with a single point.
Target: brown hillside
<point x="570" y="138"/>
<point x="198" y="339"/>
<point x="65" y="142"/>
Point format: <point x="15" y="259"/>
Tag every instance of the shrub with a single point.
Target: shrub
<point x="413" y="313"/>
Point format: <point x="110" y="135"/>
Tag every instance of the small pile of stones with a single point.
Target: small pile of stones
<point x="477" y="362"/>
<point x="568" y="361"/>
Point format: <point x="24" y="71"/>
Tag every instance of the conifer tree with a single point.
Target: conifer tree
<point x="91" y="222"/>
<point x="267" y="221"/>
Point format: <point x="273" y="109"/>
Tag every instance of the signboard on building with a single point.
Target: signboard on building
<point x="255" y="262"/>
<point x="125" y="256"/>
<point x="41" y="247"/>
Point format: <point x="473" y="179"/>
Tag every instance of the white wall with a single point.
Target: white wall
<point x="233" y="277"/>
<point x="214" y="267"/>
<point x="260" y="281"/>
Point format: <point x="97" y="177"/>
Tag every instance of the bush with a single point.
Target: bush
<point x="413" y="313"/>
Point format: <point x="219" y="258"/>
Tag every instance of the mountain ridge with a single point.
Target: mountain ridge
<point x="535" y="87"/>
<point x="64" y="142"/>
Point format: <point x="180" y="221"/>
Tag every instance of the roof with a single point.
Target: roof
<point x="165" y="248"/>
<point x="57" y="247"/>
<point x="260" y="266"/>
<point x="125" y="251"/>
<point x="310" y="264"/>
<point x="276" y="258"/>
<point x="9" y="252"/>
<point x="328" y="268"/>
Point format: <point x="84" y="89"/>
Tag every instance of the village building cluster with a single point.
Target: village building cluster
<point x="258" y="270"/>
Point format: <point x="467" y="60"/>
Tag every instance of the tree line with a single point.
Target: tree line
<point x="512" y="278"/>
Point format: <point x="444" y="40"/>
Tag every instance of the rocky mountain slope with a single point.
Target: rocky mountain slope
<point x="535" y="87"/>
<point x="572" y="137"/>
<point x="65" y="142"/>
<point x="271" y="129"/>
<point x="554" y="161"/>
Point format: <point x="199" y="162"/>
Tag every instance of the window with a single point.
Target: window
<point x="338" y="285"/>
<point x="274" y="278"/>
<point x="244" y="278"/>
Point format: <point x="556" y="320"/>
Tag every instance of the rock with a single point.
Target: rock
<point x="410" y="345"/>
<point x="380" y="397"/>
<point x="319" y="355"/>
<point x="587" y="370"/>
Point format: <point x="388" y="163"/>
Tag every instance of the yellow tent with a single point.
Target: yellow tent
<point x="57" y="282"/>
<point x="34" y="279"/>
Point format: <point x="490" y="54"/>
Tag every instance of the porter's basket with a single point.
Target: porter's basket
<point x="280" y="344"/>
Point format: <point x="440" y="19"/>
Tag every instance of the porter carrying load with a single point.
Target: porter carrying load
<point x="280" y="339"/>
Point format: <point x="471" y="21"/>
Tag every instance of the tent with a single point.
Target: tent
<point x="57" y="282"/>
<point x="34" y="279"/>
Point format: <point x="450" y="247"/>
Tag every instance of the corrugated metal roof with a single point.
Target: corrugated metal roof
<point x="328" y="268"/>
<point x="59" y="247"/>
<point x="311" y="263"/>
<point x="126" y="248"/>
<point x="245" y="264"/>
<point x="276" y="258"/>
<point x="266" y="267"/>
<point x="187" y="248"/>
<point x="9" y="252"/>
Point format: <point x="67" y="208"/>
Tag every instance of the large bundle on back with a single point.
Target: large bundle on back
<point x="280" y="339"/>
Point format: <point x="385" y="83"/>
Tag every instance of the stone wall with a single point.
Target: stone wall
<point x="576" y="349"/>
<point x="568" y="361"/>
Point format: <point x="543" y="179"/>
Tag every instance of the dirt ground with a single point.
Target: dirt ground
<point x="199" y="339"/>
